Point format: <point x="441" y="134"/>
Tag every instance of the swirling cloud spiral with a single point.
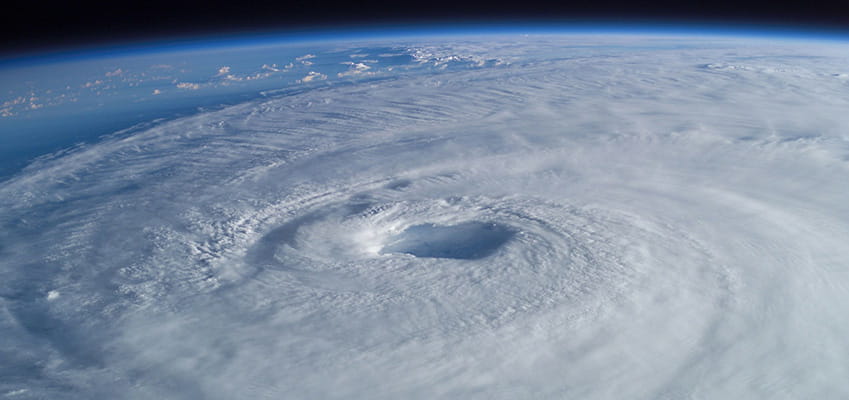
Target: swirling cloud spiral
<point x="633" y="218"/>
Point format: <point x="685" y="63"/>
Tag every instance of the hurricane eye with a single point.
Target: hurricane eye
<point x="465" y="241"/>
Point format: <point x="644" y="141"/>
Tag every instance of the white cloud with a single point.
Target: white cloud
<point x="272" y="67"/>
<point x="313" y="76"/>
<point x="16" y="101"/>
<point x="188" y="86"/>
<point x="355" y="69"/>
<point x="92" y="84"/>
<point x="305" y="59"/>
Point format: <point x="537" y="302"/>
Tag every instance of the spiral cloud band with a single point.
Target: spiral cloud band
<point x="560" y="217"/>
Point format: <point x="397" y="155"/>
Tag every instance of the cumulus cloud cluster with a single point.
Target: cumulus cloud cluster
<point x="594" y="219"/>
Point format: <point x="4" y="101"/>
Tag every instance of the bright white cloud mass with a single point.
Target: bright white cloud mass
<point x="591" y="218"/>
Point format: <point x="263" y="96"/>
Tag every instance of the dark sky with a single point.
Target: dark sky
<point x="33" y="25"/>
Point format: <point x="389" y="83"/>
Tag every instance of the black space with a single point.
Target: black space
<point x="33" y="26"/>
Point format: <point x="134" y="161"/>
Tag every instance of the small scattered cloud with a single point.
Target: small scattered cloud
<point x="92" y="84"/>
<point x="52" y="295"/>
<point x="272" y="67"/>
<point x="15" y="101"/>
<point x="305" y="59"/>
<point x="116" y="72"/>
<point x="355" y="69"/>
<point x="188" y="86"/>
<point x="313" y="76"/>
<point x="31" y="102"/>
<point x="266" y="71"/>
<point x="156" y="92"/>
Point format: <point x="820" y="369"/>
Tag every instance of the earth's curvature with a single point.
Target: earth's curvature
<point x="488" y="217"/>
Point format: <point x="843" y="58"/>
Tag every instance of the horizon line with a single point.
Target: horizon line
<point x="458" y="27"/>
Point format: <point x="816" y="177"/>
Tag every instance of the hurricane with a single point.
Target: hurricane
<point x="557" y="216"/>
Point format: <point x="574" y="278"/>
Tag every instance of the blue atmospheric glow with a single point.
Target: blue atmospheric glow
<point x="256" y="38"/>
